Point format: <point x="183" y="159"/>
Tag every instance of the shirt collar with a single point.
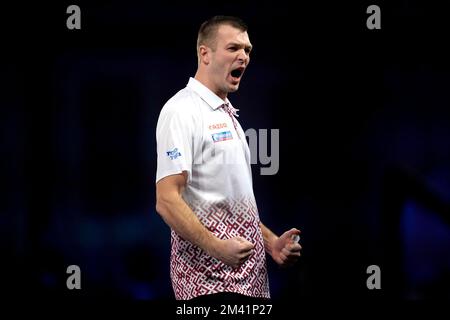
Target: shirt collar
<point x="206" y="94"/>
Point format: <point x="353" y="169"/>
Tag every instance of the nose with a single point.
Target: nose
<point x="243" y="56"/>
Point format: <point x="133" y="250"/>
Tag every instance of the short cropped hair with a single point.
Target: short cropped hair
<point x="208" y="30"/>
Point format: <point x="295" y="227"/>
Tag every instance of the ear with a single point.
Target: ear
<point x="204" y="54"/>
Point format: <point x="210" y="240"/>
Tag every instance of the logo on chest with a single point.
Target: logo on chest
<point x="217" y="126"/>
<point x="222" y="136"/>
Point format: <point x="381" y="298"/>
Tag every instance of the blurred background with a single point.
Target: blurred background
<point x="364" y="124"/>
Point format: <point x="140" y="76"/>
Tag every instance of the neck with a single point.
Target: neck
<point x="203" y="78"/>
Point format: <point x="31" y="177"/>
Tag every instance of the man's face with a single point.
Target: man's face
<point x="229" y="60"/>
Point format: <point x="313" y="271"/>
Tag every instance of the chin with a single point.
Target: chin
<point x="234" y="88"/>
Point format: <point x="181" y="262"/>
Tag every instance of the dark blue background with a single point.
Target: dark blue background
<point x="364" y="143"/>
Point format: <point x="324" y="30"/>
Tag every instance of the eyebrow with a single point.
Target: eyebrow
<point x="240" y="45"/>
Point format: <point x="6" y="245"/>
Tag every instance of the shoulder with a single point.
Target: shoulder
<point x="183" y="103"/>
<point x="181" y="111"/>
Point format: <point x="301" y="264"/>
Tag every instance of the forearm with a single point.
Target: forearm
<point x="179" y="216"/>
<point x="269" y="238"/>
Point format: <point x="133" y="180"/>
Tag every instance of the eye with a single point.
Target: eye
<point x="232" y="48"/>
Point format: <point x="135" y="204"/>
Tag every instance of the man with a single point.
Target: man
<point x="204" y="183"/>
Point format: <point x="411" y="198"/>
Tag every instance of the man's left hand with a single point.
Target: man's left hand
<point x="285" y="250"/>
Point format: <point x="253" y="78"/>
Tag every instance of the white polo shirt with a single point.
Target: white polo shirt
<point x="196" y="135"/>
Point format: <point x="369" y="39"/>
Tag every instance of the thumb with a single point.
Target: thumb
<point x="292" y="235"/>
<point x="248" y="244"/>
<point x="292" y="232"/>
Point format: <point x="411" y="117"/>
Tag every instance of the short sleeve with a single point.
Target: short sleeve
<point x="174" y="139"/>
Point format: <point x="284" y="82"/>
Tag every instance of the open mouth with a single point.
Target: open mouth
<point x="237" y="73"/>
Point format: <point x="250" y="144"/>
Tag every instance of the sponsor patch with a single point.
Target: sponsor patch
<point x="173" y="154"/>
<point x="222" y="136"/>
<point x="216" y="126"/>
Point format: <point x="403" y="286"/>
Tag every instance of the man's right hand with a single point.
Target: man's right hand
<point x="234" y="251"/>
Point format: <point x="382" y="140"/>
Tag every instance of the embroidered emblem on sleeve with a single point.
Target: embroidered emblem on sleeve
<point x="173" y="154"/>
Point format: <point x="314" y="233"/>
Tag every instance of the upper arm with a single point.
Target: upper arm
<point x="171" y="186"/>
<point x="175" y="137"/>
